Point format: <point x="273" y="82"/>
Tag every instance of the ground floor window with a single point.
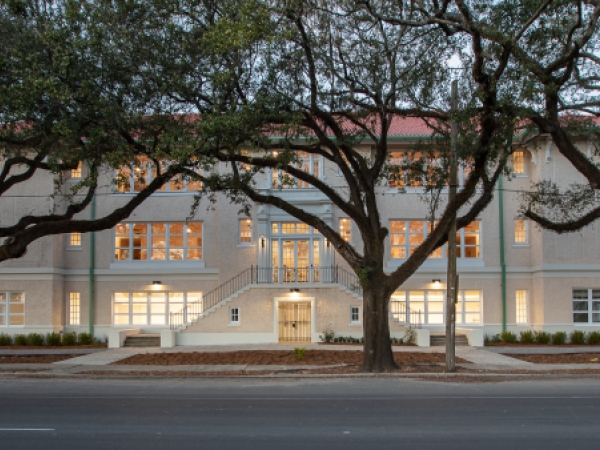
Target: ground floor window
<point x="12" y="308"/>
<point x="74" y="308"/>
<point x="586" y="305"/>
<point x="521" y="304"/>
<point x="428" y="307"/>
<point x="149" y="308"/>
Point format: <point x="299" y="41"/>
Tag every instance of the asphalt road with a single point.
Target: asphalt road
<point x="298" y="414"/>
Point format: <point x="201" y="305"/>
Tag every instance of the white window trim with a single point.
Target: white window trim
<point x="148" y="167"/>
<point x="148" y="303"/>
<point x="349" y="229"/>
<point x="76" y="248"/>
<point x="236" y="323"/>
<point x="526" y="307"/>
<point x="312" y="159"/>
<point x="359" y="321"/>
<point x="589" y="311"/>
<point x="7" y="310"/>
<point x="523" y="174"/>
<point x="240" y="243"/>
<point x="521" y="244"/>
<point x="71" y="309"/>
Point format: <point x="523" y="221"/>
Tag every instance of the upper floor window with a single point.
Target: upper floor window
<point x="518" y="162"/>
<point x="245" y="226"/>
<point x="345" y="230"/>
<point x="412" y="169"/>
<point x="76" y="173"/>
<point x="307" y="162"/>
<point x="175" y="241"/>
<point x="75" y="240"/>
<point x="521" y="237"/>
<point x="292" y="228"/>
<point x="135" y="177"/>
<point x="407" y="235"/>
<point x="12" y="308"/>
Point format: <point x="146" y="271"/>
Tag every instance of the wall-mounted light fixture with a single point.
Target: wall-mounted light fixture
<point x="157" y="283"/>
<point x="327" y="242"/>
<point x="436" y="282"/>
<point x="263" y="241"/>
<point x="295" y="290"/>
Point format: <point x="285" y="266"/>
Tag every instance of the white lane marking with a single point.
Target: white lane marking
<point x="27" y="429"/>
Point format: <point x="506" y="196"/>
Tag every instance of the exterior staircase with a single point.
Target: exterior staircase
<point x="142" y="340"/>
<point x="439" y="339"/>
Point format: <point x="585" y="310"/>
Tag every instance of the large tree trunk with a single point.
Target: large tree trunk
<point x="378" y="356"/>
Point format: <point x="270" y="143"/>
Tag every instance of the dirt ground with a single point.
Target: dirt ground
<point x="519" y="344"/>
<point x="274" y="357"/>
<point x="33" y="359"/>
<point x="49" y="347"/>
<point x="565" y="358"/>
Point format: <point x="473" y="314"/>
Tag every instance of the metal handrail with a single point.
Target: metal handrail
<point x="264" y="275"/>
<point x="399" y="311"/>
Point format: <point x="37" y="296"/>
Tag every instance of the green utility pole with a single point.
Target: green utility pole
<point x="502" y="261"/>
<point x="92" y="267"/>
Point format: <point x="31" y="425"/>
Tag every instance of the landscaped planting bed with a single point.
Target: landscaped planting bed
<point x="563" y="358"/>
<point x="275" y="357"/>
<point x="33" y="359"/>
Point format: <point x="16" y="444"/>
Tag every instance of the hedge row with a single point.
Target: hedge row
<point x="50" y="339"/>
<point x="543" y="337"/>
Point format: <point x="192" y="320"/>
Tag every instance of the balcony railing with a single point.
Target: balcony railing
<point x="264" y="275"/>
<point x="406" y="315"/>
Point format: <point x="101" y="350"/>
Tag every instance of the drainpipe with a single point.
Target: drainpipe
<point x="91" y="280"/>
<point x="502" y="261"/>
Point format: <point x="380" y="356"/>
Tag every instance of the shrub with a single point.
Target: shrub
<point x="53" y="339"/>
<point x="69" y="339"/>
<point x="559" y="338"/>
<point x="410" y="336"/>
<point x="299" y="352"/>
<point x="542" y="337"/>
<point x="593" y="338"/>
<point x="5" y="339"/>
<point x="35" y="339"/>
<point x="100" y="341"/>
<point x="328" y="334"/>
<point x="85" y="339"/>
<point x="509" y="337"/>
<point x="577" y="337"/>
<point x="496" y="338"/>
<point x="20" y="339"/>
<point x="527" y="337"/>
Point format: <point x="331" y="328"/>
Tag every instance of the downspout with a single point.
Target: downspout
<point x="92" y="268"/>
<point x="502" y="260"/>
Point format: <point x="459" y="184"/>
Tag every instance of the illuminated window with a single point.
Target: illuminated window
<point x="175" y="241"/>
<point x="345" y="230"/>
<point x="427" y="307"/>
<point x="407" y="235"/>
<point x="519" y="162"/>
<point x="152" y="308"/>
<point x="521" y="305"/>
<point x="12" y="309"/>
<point x="132" y="178"/>
<point x="520" y="232"/>
<point x="74" y="239"/>
<point x="307" y="162"/>
<point x="76" y="173"/>
<point x="74" y="311"/>
<point x="245" y="231"/>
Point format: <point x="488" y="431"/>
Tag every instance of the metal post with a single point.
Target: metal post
<point x="92" y="273"/>
<point x="502" y="260"/>
<point x="451" y="277"/>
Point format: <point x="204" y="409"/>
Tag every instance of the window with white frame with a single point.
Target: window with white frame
<point x="74" y="240"/>
<point x="234" y="316"/>
<point x="407" y="235"/>
<point x="414" y="169"/>
<point x="245" y="227"/>
<point x="521" y="232"/>
<point x="355" y="314"/>
<point x="134" y="177"/>
<point x="345" y="229"/>
<point x="74" y="308"/>
<point x="307" y="162"/>
<point x="151" y="308"/>
<point x="586" y="306"/>
<point x="12" y="309"/>
<point x="76" y="173"/>
<point x="173" y="241"/>
<point x="521" y="305"/>
<point x="518" y="158"/>
<point x="428" y="307"/>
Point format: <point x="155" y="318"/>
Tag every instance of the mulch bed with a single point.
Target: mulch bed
<point x="359" y="344"/>
<point x="519" y="344"/>
<point x="275" y="357"/>
<point x="33" y="359"/>
<point x="50" y="347"/>
<point x="563" y="358"/>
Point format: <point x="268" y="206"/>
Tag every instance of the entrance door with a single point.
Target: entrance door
<point x="294" y="321"/>
<point x="295" y="261"/>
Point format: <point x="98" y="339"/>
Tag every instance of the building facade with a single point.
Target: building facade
<point x="221" y="277"/>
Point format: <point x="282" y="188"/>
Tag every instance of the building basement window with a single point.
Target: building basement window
<point x="586" y="306"/>
<point x="12" y="309"/>
<point x="175" y="241"/>
<point x="151" y="308"/>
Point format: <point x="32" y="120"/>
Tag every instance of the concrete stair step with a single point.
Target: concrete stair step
<point x="440" y="339"/>
<point x="142" y="340"/>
